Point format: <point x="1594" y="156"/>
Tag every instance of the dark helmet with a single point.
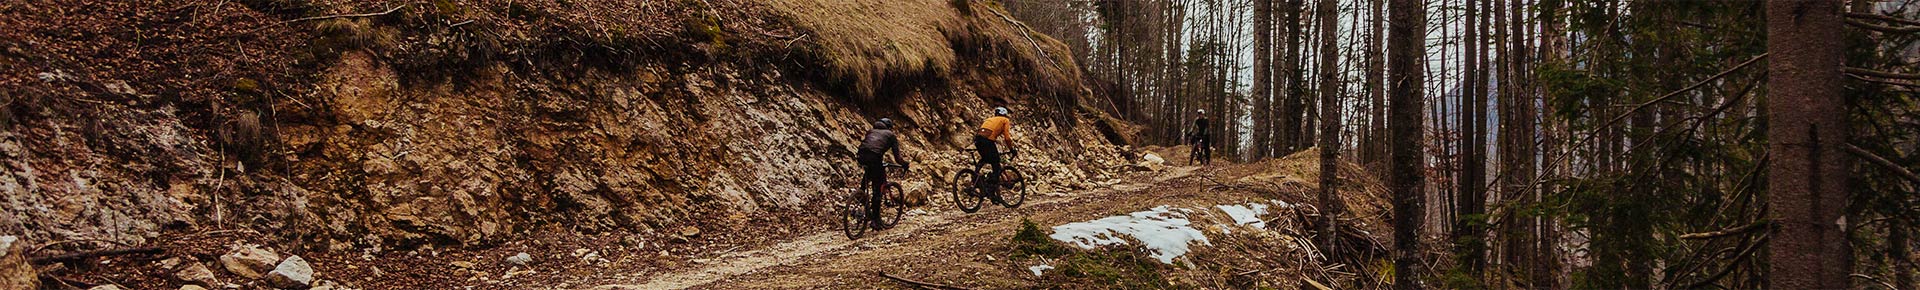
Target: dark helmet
<point x="883" y="123"/>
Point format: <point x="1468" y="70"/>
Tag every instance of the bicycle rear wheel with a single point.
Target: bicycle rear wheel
<point x="966" y="191"/>
<point x="853" y="216"/>
<point x="1013" y="188"/>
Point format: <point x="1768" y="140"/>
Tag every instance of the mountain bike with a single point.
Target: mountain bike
<point x="893" y="205"/>
<point x="1201" y="152"/>
<point x="971" y="182"/>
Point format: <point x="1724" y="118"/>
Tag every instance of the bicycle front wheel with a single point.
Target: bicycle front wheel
<point x="1013" y="187"/>
<point x="893" y="207"/>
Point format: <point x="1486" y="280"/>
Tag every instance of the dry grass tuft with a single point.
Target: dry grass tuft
<point x="870" y="46"/>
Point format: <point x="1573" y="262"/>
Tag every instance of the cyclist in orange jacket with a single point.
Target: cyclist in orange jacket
<point x="996" y="128"/>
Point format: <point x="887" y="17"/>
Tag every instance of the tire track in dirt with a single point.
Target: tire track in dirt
<point x="917" y="228"/>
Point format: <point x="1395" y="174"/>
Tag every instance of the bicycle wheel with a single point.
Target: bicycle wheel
<point x="853" y="215"/>
<point x="893" y="208"/>
<point x="1013" y="188"/>
<point x="966" y="191"/>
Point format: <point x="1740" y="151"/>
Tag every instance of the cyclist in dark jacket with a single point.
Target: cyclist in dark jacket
<point x="1201" y="139"/>
<point x="878" y="142"/>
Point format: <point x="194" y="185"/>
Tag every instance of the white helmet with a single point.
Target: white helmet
<point x="1202" y="111"/>
<point x="1000" y="111"/>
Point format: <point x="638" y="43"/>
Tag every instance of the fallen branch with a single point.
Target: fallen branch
<point x="389" y="11"/>
<point x="1726" y="232"/>
<point x="920" y="284"/>
<point x="1023" y="32"/>
<point x="1883" y="162"/>
<point x="92" y="254"/>
<point x="283" y="23"/>
<point x="43" y="247"/>
<point x="1880" y="74"/>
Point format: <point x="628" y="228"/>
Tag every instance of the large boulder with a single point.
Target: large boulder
<point x="294" y="273"/>
<point x="15" y="272"/>
<point x="249" y="261"/>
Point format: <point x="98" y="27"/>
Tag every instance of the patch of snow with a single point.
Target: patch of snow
<point x="1164" y="230"/>
<point x="1246" y="215"/>
<point x="1037" y="269"/>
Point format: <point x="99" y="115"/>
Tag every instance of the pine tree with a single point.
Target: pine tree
<point x="1806" y="127"/>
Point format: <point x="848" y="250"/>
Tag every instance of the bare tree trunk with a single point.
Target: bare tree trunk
<point x="1330" y="125"/>
<point x="1806" y="128"/>
<point x="1470" y="243"/>
<point x="1406" y="50"/>
<point x="1376" y="147"/>
<point x="1262" y="75"/>
<point x="1546" y="263"/>
<point x="1294" y="107"/>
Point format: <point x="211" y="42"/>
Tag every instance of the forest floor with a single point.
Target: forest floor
<point x="980" y="250"/>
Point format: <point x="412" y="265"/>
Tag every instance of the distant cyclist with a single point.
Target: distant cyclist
<point x="996" y="128"/>
<point x="878" y="142"/>
<point x="1201" y="138"/>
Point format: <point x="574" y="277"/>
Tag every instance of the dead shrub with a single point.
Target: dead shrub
<point x="242" y="135"/>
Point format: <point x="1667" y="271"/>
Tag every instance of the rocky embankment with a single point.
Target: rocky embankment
<point x="337" y="127"/>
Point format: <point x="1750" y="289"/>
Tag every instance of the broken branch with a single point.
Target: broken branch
<point x="1884" y="18"/>
<point x="1883" y="28"/>
<point x="920" y="284"/>
<point x="1883" y="162"/>
<point x="389" y="11"/>
<point x="91" y="254"/>
<point x="1880" y="74"/>
<point x="1726" y="232"/>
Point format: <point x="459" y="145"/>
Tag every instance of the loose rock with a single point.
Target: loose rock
<point x="15" y="273"/>
<point x="197" y="273"/>
<point x="249" y="261"/>
<point x="107" y="287"/>
<point x="192" y="287"/>
<point x="521" y="259"/>
<point x="293" y="273"/>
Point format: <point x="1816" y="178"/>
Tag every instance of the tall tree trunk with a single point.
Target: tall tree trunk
<point x="1467" y="235"/>
<point x="1376" y="147"/>
<point x="1546" y="262"/>
<point x="1294" y="107"/>
<point x="1806" y="127"/>
<point x="1502" y="240"/>
<point x="1330" y="125"/>
<point x="1262" y="75"/>
<point x="1406" y="51"/>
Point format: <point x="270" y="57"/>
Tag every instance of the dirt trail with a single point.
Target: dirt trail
<point x="935" y="244"/>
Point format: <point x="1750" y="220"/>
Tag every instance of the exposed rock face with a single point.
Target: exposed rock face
<point x="373" y="151"/>
<point x="15" y="273"/>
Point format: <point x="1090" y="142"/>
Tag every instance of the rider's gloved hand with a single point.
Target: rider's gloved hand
<point x="905" y="165"/>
